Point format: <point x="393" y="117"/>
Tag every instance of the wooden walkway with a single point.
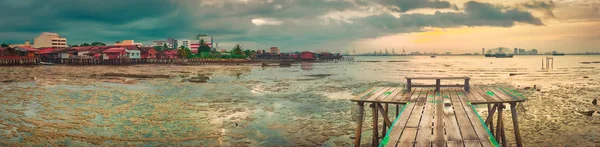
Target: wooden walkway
<point x="433" y="117"/>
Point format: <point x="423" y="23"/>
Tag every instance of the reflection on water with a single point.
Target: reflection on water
<point x="306" y="65"/>
<point x="307" y="105"/>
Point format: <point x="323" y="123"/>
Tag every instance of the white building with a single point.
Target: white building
<point x="47" y="39"/>
<point x="133" y="54"/>
<point x="186" y="43"/>
<point x="162" y="43"/>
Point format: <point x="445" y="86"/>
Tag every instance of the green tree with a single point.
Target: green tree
<point x="85" y="44"/>
<point x="98" y="44"/>
<point x="184" y="52"/>
<point x="165" y="47"/>
<point x="158" y="48"/>
<point x="203" y="46"/>
<point x="249" y="52"/>
<point x="74" y="45"/>
<point x="237" y="50"/>
<point x="4" y="45"/>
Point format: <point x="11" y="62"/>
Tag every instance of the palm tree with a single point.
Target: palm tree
<point x="203" y="46"/>
<point x="184" y="52"/>
<point x="237" y="50"/>
<point x="165" y="47"/>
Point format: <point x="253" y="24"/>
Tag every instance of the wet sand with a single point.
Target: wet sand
<point x="251" y="105"/>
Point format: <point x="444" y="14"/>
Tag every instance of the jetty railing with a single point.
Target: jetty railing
<point x="18" y="60"/>
<point x="126" y="61"/>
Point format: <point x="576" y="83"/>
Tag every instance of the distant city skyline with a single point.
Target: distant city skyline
<point x="457" y="26"/>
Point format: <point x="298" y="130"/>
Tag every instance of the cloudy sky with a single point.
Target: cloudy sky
<point x="334" y="25"/>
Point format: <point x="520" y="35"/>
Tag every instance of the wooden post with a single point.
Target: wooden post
<point x="408" y="83"/>
<point x="361" y="110"/>
<point x="491" y="113"/>
<point x="499" y="126"/>
<point x="437" y="85"/>
<point x="516" y="123"/>
<point x="542" y="63"/>
<point x="386" y="123"/>
<point x="375" y="125"/>
<point x="397" y="111"/>
<point x="467" y="86"/>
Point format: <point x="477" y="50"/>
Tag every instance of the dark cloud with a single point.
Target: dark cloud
<point x="474" y="14"/>
<point x="406" y="5"/>
<point x="545" y="6"/>
<point x="231" y="21"/>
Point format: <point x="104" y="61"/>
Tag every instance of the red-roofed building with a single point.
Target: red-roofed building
<point x="307" y="56"/>
<point x="26" y="51"/>
<point x="113" y="53"/>
<point x="8" y="51"/>
<point x="171" y="54"/>
<point x="194" y="47"/>
<point x="81" y="50"/>
<point x="148" y="52"/>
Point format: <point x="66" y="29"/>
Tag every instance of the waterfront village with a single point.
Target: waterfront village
<point x="51" y="46"/>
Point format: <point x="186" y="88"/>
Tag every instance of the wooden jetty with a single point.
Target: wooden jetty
<point x="431" y="116"/>
<point x="16" y="60"/>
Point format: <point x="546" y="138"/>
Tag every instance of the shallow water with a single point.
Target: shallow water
<point x="305" y="104"/>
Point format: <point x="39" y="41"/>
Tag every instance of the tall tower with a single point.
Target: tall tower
<point x="403" y="51"/>
<point x="482" y="51"/>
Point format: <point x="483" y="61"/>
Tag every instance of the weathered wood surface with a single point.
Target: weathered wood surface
<point x="426" y="78"/>
<point x="477" y="95"/>
<point x="438" y="118"/>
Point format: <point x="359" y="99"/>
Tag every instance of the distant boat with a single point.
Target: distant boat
<point x="46" y="63"/>
<point x="504" y="55"/>
<point x="499" y="55"/>
<point x="433" y="56"/>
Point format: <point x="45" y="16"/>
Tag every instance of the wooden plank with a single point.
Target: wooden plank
<point x="365" y="94"/>
<point x="425" y="78"/>
<point x="408" y="137"/>
<point x="407" y="95"/>
<point x="385" y="94"/>
<point x="464" y="123"/>
<point x="455" y="143"/>
<point x="377" y="94"/>
<point x="427" y="118"/>
<point x="483" y="94"/>
<point x="472" y="143"/>
<point x="424" y="136"/>
<point x="449" y="94"/>
<point x="478" y="127"/>
<point x="499" y="95"/>
<point x="415" y="117"/>
<point x="516" y="96"/>
<point x="415" y="95"/>
<point x="437" y="86"/>
<point x="438" y="125"/>
<point x="472" y="96"/>
<point x="509" y="97"/>
<point x="399" y="126"/>
<point x="392" y="95"/>
<point x="398" y="96"/>
<point x="452" y="131"/>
